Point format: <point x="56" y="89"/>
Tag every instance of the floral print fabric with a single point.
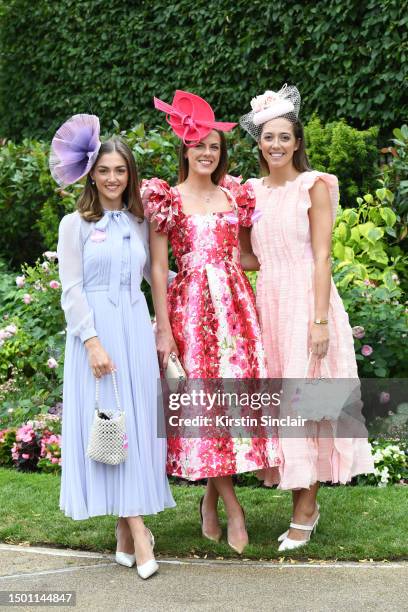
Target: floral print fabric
<point x="213" y="319"/>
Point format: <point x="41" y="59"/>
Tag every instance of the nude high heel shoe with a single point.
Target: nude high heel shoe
<point x="150" y="567"/>
<point x="215" y="538"/>
<point x="238" y="549"/>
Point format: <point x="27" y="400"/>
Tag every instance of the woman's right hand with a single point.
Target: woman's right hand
<point x="99" y="360"/>
<point x="165" y="345"/>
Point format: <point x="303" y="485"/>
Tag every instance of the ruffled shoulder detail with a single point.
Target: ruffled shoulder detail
<point x="160" y="204"/>
<point x="244" y="196"/>
<point x="308" y="179"/>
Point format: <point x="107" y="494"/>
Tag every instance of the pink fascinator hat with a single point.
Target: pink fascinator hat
<point x="270" y="105"/>
<point x="191" y="117"/>
<point x="74" y="149"/>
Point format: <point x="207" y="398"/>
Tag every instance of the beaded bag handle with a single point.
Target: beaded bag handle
<point x="115" y="388"/>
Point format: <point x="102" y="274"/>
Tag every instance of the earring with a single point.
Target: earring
<point x="92" y="182"/>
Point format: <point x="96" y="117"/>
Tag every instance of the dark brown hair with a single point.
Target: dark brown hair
<point x="88" y="203"/>
<point x="300" y="159"/>
<point x="219" y="172"/>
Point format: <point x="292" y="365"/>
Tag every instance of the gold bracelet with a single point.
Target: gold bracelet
<point x="321" y="321"/>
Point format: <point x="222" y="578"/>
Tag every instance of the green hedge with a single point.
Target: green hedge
<point x="33" y="206"/>
<point x="348" y="58"/>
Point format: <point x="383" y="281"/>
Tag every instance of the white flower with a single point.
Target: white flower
<point x="45" y="266"/>
<point x="51" y="255"/>
<point x="20" y="281"/>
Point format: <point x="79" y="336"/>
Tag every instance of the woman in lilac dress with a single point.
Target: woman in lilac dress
<point x="103" y="256"/>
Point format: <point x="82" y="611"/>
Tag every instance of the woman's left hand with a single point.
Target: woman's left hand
<point x="319" y="340"/>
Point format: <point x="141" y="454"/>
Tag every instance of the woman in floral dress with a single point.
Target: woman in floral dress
<point x="208" y="316"/>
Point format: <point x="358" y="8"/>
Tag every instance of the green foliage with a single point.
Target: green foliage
<point x="7" y="439"/>
<point x="396" y="178"/>
<point x="350" y="154"/>
<point x="383" y="318"/>
<point x="29" y="201"/>
<point x="391" y="464"/>
<point x="30" y="382"/>
<point x="363" y="242"/>
<point x="367" y="270"/>
<point x="61" y="58"/>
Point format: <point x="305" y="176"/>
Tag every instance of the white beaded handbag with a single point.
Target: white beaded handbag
<point x="108" y="439"/>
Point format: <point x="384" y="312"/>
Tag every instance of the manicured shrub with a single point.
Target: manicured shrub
<point x="110" y="58"/>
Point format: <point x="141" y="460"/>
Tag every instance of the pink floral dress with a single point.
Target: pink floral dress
<point x="214" y="322"/>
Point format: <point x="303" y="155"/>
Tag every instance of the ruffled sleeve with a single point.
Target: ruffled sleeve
<point x="78" y="313"/>
<point x="244" y="196"/>
<point x="310" y="178"/>
<point x="160" y="204"/>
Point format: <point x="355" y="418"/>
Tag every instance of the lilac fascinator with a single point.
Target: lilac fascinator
<point x="74" y="149"/>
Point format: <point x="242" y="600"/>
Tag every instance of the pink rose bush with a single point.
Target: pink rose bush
<point x="366" y="350"/>
<point x="358" y="332"/>
<point x="36" y="446"/>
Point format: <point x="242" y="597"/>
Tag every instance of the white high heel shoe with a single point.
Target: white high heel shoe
<point x="150" y="567"/>
<point x="124" y="558"/>
<point x="289" y="544"/>
<point x="283" y="536"/>
<point x="285" y="533"/>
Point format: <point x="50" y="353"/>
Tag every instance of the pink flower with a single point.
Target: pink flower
<point x="25" y="456"/>
<point x="52" y="363"/>
<point x="98" y="235"/>
<point x="366" y="350"/>
<point x="55" y="284"/>
<point x="384" y="397"/>
<point x="20" y="281"/>
<point x="358" y="332"/>
<point x="11" y="329"/>
<point x="27" y="299"/>
<point x="54" y="460"/>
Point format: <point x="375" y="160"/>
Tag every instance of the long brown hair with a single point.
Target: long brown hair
<point x="300" y="159"/>
<point x="219" y="172"/>
<point x="88" y="203"/>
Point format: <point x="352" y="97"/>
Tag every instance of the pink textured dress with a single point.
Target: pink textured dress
<point x="285" y="301"/>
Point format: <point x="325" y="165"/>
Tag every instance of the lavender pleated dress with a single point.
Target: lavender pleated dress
<point x="101" y="269"/>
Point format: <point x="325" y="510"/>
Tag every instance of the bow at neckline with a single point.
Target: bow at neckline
<point x="117" y="224"/>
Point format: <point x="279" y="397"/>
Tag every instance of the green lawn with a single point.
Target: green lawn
<point x="356" y="523"/>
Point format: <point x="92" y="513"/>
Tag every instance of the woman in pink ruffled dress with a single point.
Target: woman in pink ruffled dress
<point x="208" y="315"/>
<point x="305" y="329"/>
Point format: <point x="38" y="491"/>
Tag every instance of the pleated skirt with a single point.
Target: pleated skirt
<point x="138" y="486"/>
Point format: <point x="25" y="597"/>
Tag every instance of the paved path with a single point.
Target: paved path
<point x="190" y="585"/>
